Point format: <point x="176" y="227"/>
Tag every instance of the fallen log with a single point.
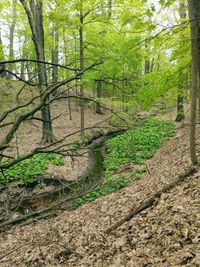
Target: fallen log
<point x="43" y="213"/>
<point x="150" y="201"/>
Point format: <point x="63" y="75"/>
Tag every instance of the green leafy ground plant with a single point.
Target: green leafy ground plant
<point x="133" y="147"/>
<point x="30" y="168"/>
<point x="136" y="145"/>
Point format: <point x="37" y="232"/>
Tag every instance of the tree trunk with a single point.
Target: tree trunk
<point x="35" y="18"/>
<point x="109" y="9"/>
<point x="68" y="91"/>
<point x="55" y="41"/>
<point x="11" y="38"/>
<point x="194" y="7"/>
<point x="69" y="105"/>
<point x="180" y="97"/>
<point x="99" y="95"/>
<point x="180" y="107"/>
<point x="99" y="88"/>
<point x="147" y="66"/>
<point x="23" y="64"/>
<point x="2" y="58"/>
<point x="81" y="67"/>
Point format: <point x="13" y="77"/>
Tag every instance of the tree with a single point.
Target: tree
<point x="26" y="111"/>
<point x="34" y="12"/>
<point x="55" y="41"/>
<point x="180" y="97"/>
<point x="81" y="50"/>
<point x="11" y="35"/>
<point x="99" y="87"/>
<point x="194" y="16"/>
<point x="2" y="67"/>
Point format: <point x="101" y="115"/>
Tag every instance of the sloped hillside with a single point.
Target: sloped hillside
<point x="167" y="234"/>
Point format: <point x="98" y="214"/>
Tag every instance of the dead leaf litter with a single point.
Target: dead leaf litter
<point x="167" y="234"/>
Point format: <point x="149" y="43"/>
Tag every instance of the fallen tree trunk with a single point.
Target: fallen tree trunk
<point x="150" y="201"/>
<point x="41" y="214"/>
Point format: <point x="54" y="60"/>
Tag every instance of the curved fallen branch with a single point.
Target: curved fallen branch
<point x="150" y="201"/>
<point x="52" y="210"/>
<point x="43" y="213"/>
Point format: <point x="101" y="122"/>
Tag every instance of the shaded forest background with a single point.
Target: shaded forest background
<point x="114" y="57"/>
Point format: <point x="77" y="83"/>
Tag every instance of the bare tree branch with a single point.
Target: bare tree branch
<point x="43" y="101"/>
<point x="37" y="61"/>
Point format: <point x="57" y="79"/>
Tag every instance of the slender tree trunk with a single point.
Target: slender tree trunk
<point x="2" y="58"/>
<point x="69" y="106"/>
<point x="23" y="55"/>
<point x="152" y="64"/>
<point x="180" y="97"/>
<point x="35" y="17"/>
<point x="158" y="63"/>
<point x="99" y="88"/>
<point x="28" y="70"/>
<point x="11" y="37"/>
<point x="194" y="7"/>
<point x="22" y="70"/>
<point x="180" y="107"/>
<point x="99" y="95"/>
<point x="68" y="91"/>
<point x="55" y="40"/>
<point x="147" y="64"/>
<point x="109" y="9"/>
<point x="76" y="81"/>
<point x="123" y="87"/>
<point x="112" y="93"/>
<point x="81" y="67"/>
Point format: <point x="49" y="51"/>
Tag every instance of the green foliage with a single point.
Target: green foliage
<point x="136" y="145"/>
<point x="109" y="186"/>
<point x="31" y="168"/>
<point x="166" y="3"/>
<point x="87" y="138"/>
<point x="122" y="119"/>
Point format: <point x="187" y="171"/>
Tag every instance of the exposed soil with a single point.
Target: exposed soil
<point x="167" y="234"/>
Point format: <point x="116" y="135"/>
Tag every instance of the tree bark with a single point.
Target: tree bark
<point x="55" y="41"/>
<point x="180" y="107"/>
<point x="109" y="9"/>
<point x="23" y="64"/>
<point x="194" y="16"/>
<point x="99" y="88"/>
<point x="2" y="66"/>
<point x="34" y="14"/>
<point x="81" y="67"/>
<point x="99" y="95"/>
<point x="11" y="37"/>
<point x="180" y="97"/>
<point x="68" y="91"/>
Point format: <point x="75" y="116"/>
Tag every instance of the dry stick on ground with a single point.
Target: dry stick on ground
<point x="10" y="252"/>
<point x="150" y="201"/>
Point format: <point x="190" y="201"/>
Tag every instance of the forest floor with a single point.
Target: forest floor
<point x="166" y="234"/>
<point x="29" y="137"/>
